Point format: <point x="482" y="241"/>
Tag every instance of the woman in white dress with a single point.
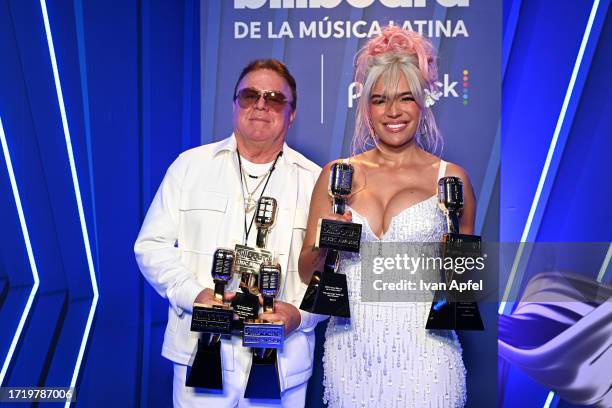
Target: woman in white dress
<point x="383" y="356"/>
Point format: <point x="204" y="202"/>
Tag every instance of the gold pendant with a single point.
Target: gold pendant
<point x="249" y="204"/>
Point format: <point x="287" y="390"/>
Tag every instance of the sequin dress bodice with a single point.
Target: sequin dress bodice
<point x="383" y="356"/>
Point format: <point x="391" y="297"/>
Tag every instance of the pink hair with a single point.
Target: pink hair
<point x="400" y="47"/>
<point x="396" y="40"/>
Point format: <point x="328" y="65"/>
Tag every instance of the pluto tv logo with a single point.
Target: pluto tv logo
<point x="447" y="88"/>
<point x="275" y="4"/>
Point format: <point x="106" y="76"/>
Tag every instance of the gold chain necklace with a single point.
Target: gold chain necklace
<point x="247" y="230"/>
<point x="249" y="201"/>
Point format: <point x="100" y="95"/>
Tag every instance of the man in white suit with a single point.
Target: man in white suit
<point x="206" y="201"/>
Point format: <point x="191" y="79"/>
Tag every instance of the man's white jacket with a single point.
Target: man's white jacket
<point x="199" y="208"/>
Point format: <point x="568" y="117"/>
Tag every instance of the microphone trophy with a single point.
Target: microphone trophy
<point x="327" y="292"/>
<point x="213" y="322"/>
<point x="265" y="338"/>
<point x="447" y="312"/>
<point x="249" y="261"/>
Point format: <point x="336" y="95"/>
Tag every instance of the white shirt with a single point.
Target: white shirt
<point x="198" y="208"/>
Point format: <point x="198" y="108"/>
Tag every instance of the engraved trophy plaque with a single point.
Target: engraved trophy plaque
<point x="249" y="261"/>
<point x="327" y="292"/>
<point x="265" y="338"/>
<point x="213" y="322"/>
<point x="447" y="312"/>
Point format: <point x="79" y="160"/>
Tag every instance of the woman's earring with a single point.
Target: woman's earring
<point x="374" y="138"/>
<point x="423" y="128"/>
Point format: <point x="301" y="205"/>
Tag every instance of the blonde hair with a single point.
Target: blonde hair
<point x="395" y="53"/>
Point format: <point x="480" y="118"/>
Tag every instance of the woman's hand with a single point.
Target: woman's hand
<point x="346" y="217"/>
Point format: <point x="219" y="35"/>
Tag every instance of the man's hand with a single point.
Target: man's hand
<point x="286" y="313"/>
<point x="207" y="297"/>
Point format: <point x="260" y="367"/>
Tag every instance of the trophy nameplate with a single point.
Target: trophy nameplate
<point x="249" y="259"/>
<point x="263" y="334"/>
<point x="215" y="319"/>
<point x="338" y="235"/>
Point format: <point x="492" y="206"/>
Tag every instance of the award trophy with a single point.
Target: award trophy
<point x="249" y="260"/>
<point x="327" y="292"/>
<point x="265" y="337"/>
<point x="213" y="322"/>
<point x="448" y="313"/>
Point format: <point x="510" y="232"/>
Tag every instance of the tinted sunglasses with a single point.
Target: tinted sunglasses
<point x="248" y="97"/>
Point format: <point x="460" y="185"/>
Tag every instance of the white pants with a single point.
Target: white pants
<point x="234" y="384"/>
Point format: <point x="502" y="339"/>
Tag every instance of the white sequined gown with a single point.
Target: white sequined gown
<point x="383" y="356"/>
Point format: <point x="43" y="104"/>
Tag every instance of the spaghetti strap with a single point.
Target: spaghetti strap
<point x="442" y="170"/>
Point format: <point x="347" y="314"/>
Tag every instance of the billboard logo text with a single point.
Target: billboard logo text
<point x="277" y="4"/>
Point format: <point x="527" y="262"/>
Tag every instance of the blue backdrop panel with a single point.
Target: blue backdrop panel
<point x="111" y="37"/>
<point x="577" y="189"/>
<point x="541" y="60"/>
<point x="534" y="87"/>
<point x="33" y="123"/>
<point x="16" y="278"/>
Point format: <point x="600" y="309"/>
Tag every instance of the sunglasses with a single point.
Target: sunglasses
<point x="248" y="97"/>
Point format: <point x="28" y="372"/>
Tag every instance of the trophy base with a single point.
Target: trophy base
<point x="447" y="312"/>
<point x="206" y="370"/>
<point x="246" y="306"/>
<point x="264" y="382"/>
<point x="445" y="315"/>
<point x="338" y="235"/>
<point x="263" y="334"/>
<point x="455" y="244"/>
<point x="327" y="294"/>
